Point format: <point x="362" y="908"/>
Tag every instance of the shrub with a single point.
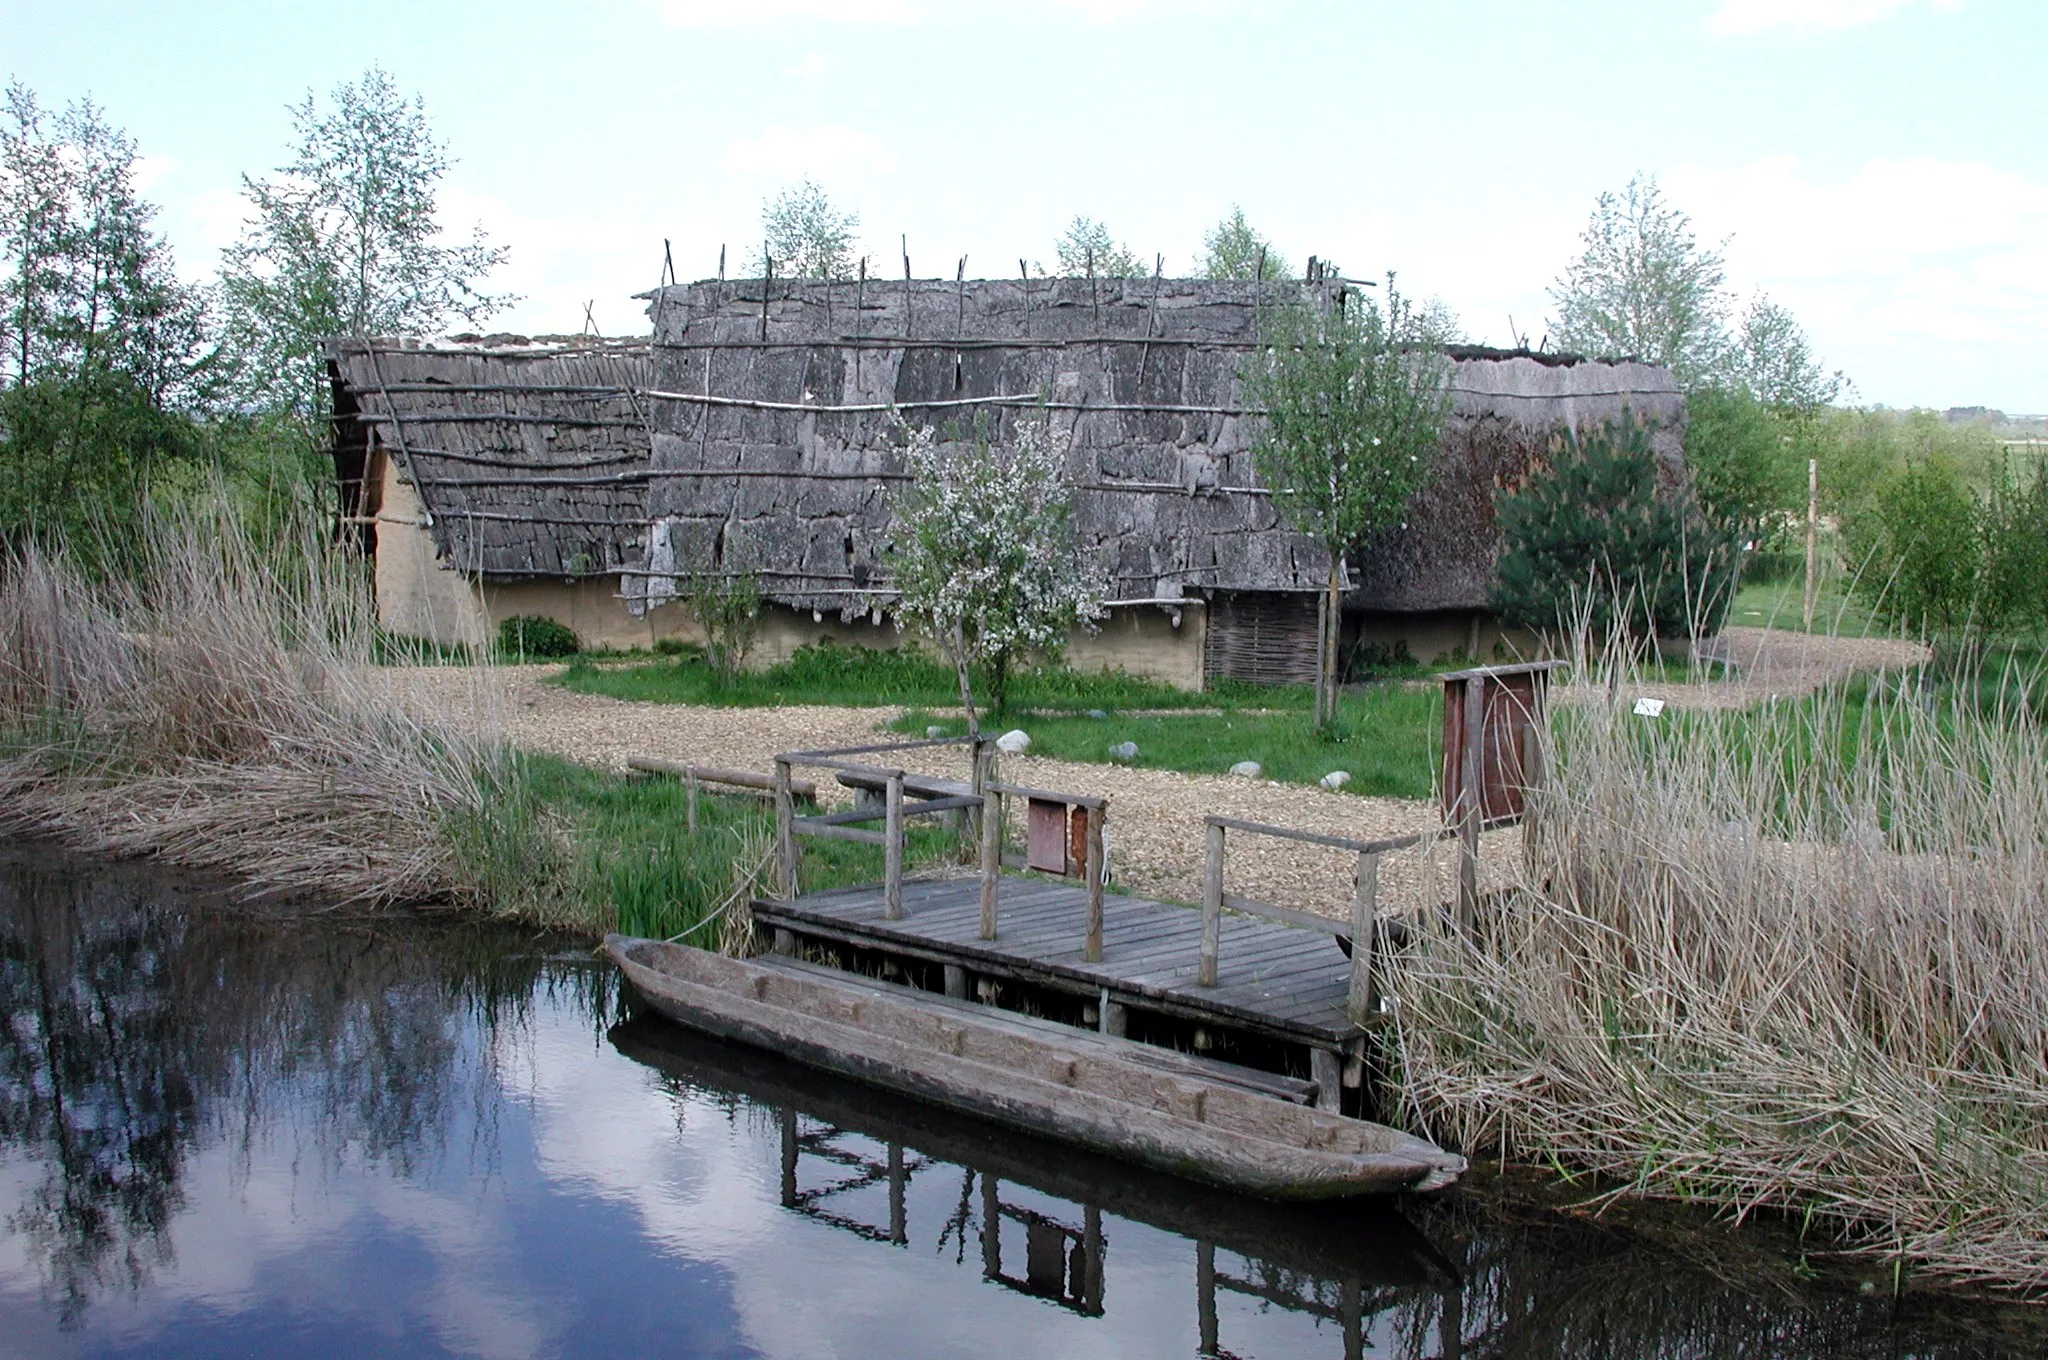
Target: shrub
<point x="1594" y="536"/>
<point x="728" y="609"/>
<point x="526" y="637"/>
<point x="1917" y="549"/>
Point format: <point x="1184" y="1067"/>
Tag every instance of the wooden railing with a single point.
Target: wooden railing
<point x="1096" y="810"/>
<point x="1362" y="1001"/>
<point x="845" y="826"/>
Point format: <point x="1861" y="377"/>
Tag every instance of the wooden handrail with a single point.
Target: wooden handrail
<point x="824" y="754"/>
<point x="1079" y="800"/>
<point x="1378" y="847"/>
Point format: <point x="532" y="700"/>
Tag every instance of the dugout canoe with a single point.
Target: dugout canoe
<point x="1110" y="1096"/>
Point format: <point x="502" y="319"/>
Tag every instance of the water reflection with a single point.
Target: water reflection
<point x="235" y="1131"/>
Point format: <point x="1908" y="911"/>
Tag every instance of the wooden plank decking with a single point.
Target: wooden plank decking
<point x="1283" y="981"/>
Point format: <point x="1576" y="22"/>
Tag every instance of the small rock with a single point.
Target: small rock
<point x="1098" y="715"/>
<point x="1124" y="752"/>
<point x="1014" y="742"/>
<point x="1336" y="779"/>
<point x="1248" y="769"/>
<point x="935" y="731"/>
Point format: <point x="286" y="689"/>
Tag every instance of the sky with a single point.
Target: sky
<point x="1879" y="167"/>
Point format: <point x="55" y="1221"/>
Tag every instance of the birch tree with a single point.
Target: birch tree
<point x="1355" y="398"/>
<point x="984" y="556"/>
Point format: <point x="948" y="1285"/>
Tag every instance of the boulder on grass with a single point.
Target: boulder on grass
<point x="1247" y="769"/>
<point x="1336" y="779"/>
<point x="1014" y="742"/>
<point x="1124" y="752"/>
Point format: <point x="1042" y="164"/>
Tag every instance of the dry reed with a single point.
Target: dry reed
<point x="222" y="710"/>
<point x="1792" y="958"/>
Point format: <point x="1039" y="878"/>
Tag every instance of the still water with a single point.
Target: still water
<point x="228" y="1131"/>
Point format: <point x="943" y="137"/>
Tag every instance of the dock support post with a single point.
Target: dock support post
<point x="892" y="850"/>
<point x="787" y="1119"/>
<point x="1328" y="1070"/>
<point x="1109" y="1016"/>
<point x="899" y="1218"/>
<point x="1364" y="907"/>
<point x="785" y="941"/>
<point x="991" y="859"/>
<point x="1212" y="907"/>
<point x="1091" y="1251"/>
<point x="1351" y="1307"/>
<point x="785" y="829"/>
<point x="991" y="1227"/>
<point x="1472" y="805"/>
<point x="1093" y="952"/>
<point x="956" y="981"/>
<point x="1205" y="1299"/>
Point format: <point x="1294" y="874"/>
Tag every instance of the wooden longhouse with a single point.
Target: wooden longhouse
<point x="760" y="430"/>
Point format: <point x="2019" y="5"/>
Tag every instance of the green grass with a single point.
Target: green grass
<point x="585" y="849"/>
<point x="1387" y="737"/>
<point x="858" y="676"/>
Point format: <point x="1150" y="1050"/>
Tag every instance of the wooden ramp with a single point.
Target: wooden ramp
<point x="1279" y="982"/>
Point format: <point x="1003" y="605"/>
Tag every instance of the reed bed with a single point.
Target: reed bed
<point x="1787" y="958"/>
<point x="221" y="709"/>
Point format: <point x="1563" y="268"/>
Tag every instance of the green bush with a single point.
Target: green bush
<point x="526" y="637"/>
<point x="1595" y="535"/>
<point x="1916" y="549"/>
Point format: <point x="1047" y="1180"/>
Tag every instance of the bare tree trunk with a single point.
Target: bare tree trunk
<point x="1333" y="630"/>
<point x="966" y="690"/>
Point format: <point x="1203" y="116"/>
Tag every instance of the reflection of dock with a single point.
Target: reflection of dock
<point x="1342" y="1265"/>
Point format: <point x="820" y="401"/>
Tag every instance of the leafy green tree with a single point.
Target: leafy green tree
<point x="2015" y="533"/>
<point x="1773" y="361"/>
<point x="1594" y="537"/>
<point x="805" y="237"/>
<point x="1088" y="248"/>
<point x="983" y="556"/>
<point x="1355" y="398"/>
<point x="1643" y="285"/>
<point x="105" y="347"/>
<point x="1917" y="550"/>
<point x="1747" y="464"/>
<point x="346" y="240"/>
<point x="1232" y="250"/>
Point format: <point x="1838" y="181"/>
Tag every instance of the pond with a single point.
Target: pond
<point x="289" y="1132"/>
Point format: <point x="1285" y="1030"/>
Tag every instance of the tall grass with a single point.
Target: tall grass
<point x="218" y="708"/>
<point x="1790" y="958"/>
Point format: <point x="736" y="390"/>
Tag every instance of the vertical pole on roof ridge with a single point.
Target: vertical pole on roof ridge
<point x="960" y="297"/>
<point x="905" y="239"/>
<point x="767" y="282"/>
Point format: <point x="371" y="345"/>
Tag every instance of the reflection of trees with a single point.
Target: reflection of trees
<point x="142" y="1022"/>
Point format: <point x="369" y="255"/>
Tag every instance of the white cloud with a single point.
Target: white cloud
<point x="809" y="66"/>
<point x="873" y="13"/>
<point x="1807" y="16"/>
<point x="825" y="149"/>
<point x="1924" y="279"/>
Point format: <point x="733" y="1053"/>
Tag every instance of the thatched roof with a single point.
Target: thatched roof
<point x="763" y="432"/>
<point x="529" y="455"/>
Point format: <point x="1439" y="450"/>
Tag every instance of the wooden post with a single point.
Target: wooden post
<point x="1364" y="908"/>
<point x="1328" y="1070"/>
<point x="991" y="1227"/>
<point x="1091" y="1252"/>
<point x="1210" y="1341"/>
<point x="1212" y="908"/>
<point x="956" y="981"/>
<point x="892" y="849"/>
<point x="690" y="783"/>
<point x="1093" y="952"/>
<point x="899" y="1218"/>
<point x="991" y="859"/>
<point x="1351" y="1309"/>
<point x="1812" y="539"/>
<point x="1110" y="1016"/>
<point x="787" y="1119"/>
<point x="1472" y="803"/>
<point x="785" y="829"/>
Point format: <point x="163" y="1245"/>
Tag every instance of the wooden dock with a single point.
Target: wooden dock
<point x="1282" y="983"/>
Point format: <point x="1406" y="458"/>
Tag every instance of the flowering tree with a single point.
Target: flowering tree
<point x="984" y="556"/>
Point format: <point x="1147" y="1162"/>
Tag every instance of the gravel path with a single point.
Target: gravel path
<point x="1155" y="818"/>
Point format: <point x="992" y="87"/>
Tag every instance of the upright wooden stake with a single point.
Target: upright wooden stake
<point x="991" y="860"/>
<point x="1471" y="804"/>
<point x="785" y="829"/>
<point x="690" y="782"/>
<point x="1093" y="951"/>
<point x="892" y="849"/>
<point x="1364" y="910"/>
<point x="1812" y="539"/>
<point x="1212" y="908"/>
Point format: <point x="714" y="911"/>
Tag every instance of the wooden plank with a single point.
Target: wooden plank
<point x="1317" y="838"/>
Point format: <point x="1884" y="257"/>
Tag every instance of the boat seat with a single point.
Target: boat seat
<point x="1293" y="1090"/>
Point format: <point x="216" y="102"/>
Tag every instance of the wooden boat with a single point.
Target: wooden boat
<point x="1132" y="1101"/>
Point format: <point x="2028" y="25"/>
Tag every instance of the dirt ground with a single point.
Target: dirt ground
<point x="1155" y="826"/>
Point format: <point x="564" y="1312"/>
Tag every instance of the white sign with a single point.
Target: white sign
<point x="1649" y="708"/>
